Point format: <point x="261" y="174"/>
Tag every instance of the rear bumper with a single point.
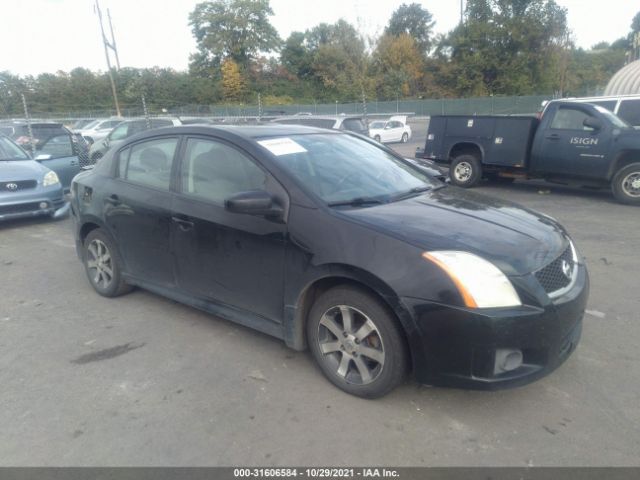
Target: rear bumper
<point x="458" y="347"/>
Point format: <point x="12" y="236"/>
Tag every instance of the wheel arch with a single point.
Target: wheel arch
<point x="465" y="148"/>
<point x="296" y="315"/>
<point x="623" y="159"/>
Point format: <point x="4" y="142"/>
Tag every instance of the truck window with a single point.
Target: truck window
<point x="630" y="111"/>
<point x="608" y="104"/>
<point x="569" y="118"/>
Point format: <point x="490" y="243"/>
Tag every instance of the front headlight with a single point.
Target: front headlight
<point x="50" y="178"/>
<point x="480" y="283"/>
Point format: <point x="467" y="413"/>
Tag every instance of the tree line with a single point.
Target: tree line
<point x="502" y="47"/>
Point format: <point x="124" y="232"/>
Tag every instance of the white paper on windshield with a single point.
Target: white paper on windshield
<point x="282" y="146"/>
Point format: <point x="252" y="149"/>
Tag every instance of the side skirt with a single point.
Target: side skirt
<point x="228" y="312"/>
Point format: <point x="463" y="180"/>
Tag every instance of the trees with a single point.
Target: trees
<point x="233" y="84"/>
<point x="511" y="47"/>
<point x="236" y="29"/>
<point x="414" y="21"/>
<point x="398" y="66"/>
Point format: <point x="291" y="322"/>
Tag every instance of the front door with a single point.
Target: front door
<point x="229" y="258"/>
<point x="570" y="147"/>
<point x="138" y="209"/>
<point x="57" y="153"/>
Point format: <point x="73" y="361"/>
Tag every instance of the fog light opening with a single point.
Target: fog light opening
<point x="507" y="360"/>
<point x="43" y="205"/>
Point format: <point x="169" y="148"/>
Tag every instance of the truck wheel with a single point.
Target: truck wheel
<point x="626" y="184"/>
<point x="465" y="171"/>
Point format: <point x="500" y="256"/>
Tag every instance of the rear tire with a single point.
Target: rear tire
<point x="377" y="138"/>
<point x="626" y="184"/>
<point x="465" y="171"/>
<point x="357" y="342"/>
<point x="103" y="265"/>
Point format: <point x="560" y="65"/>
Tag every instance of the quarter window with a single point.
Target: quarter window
<point x="629" y="110"/>
<point x="149" y="163"/>
<point x="214" y="171"/>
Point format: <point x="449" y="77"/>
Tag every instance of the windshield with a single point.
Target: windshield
<point x="341" y="169"/>
<point x="10" y="151"/>
<point x="612" y="117"/>
<point x="379" y="125"/>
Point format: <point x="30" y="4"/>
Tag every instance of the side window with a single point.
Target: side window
<point x="214" y="171"/>
<point x="57" y="146"/>
<point x="630" y="112"/>
<point x="150" y="163"/>
<point x="568" y="118"/>
<point x="119" y="132"/>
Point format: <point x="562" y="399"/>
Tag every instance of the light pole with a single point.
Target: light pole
<point x="336" y="107"/>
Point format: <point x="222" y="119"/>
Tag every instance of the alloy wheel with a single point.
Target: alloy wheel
<point x="99" y="264"/>
<point x="462" y="171"/>
<point x="351" y="344"/>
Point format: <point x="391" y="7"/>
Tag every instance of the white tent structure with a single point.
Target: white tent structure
<point x="626" y="81"/>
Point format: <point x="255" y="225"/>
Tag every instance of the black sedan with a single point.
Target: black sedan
<point x="331" y="241"/>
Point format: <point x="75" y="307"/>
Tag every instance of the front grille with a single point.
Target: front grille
<point x="19" y="208"/>
<point x="553" y="277"/>
<point x="18" y="185"/>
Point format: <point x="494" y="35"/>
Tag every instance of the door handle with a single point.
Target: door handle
<point x="74" y="163"/>
<point x="184" y="225"/>
<point x="113" y="200"/>
<point x="553" y="136"/>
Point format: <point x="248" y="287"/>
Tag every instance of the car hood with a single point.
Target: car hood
<point x="21" y="170"/>
<point x="515" y="239"/>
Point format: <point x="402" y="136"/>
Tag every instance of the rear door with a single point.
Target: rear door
<point x="138" y="208"/>
<point x="568" y="147"/>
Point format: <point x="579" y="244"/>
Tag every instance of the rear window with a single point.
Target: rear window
<point x="354" y="125"/>
<point x="630" y="111"/>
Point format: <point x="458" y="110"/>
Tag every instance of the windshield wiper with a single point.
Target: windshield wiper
<point x="356" y="202"/>
<point x="412" y="192"/>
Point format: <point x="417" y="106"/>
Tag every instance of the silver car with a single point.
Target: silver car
<point x="98" y="129"/>
<point x="27" y="188"/>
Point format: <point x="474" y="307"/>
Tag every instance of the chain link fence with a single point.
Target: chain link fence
<point x="513" y="105"/>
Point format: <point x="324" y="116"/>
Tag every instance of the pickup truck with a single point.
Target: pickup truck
<point x="572" y="143"/>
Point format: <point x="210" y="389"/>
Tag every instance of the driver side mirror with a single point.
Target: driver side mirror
<point x="253" y="202"/>
<point x="592" y="122"/>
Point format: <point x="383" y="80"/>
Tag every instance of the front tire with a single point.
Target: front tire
<point x="465" y="171"/>
<point x="356" y="341"/>
<point x="103" y="264"/>
<point x="405" y="137"/>
<point x="626" y="184"/>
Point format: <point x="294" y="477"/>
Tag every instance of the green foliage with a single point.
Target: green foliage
<point x="415" y="21"/>
<point x="238" y="29"/>
<point x="512" y="47"/>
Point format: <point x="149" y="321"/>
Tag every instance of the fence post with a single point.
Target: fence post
<point x="146" y="113"/>
<point x="29" y="130"/>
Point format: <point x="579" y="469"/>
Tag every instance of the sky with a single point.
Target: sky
<point x="52" y="35"/>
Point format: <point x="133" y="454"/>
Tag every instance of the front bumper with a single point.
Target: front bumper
<point x="458" y="347"/>
<point x="34" y="203"/>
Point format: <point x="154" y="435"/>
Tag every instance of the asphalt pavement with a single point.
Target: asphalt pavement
<point x="142" y="380"/>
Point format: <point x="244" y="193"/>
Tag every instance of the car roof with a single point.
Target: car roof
<point x="249" y="132"/>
